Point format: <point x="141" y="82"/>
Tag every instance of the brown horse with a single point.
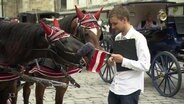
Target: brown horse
<point x="83" y="23"/>
<point x="85" y="28"/>
<point x="23" y="42"/>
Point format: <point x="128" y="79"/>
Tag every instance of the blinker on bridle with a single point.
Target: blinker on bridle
<point x="54" y="34"/>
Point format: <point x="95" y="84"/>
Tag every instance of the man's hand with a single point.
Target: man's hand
<point x="111" y="61"/>
<point x="115" y="58"/>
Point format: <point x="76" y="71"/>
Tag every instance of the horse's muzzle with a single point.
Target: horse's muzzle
<point x="86" y="50"/>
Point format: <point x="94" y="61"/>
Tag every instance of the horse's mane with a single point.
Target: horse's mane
<point x="66" y="22"/>
<point x="17" y="39"/>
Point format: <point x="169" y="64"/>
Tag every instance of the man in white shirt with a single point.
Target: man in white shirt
<point x="127" y="85"/>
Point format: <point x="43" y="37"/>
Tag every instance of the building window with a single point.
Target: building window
<point x="90" y="1"/>
<point x="63" y="4"/>
<point x="77" y="2"/>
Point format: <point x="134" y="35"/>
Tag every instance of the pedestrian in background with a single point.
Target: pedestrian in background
<point x="127" y="85"/>
<point x="148" y="23"/>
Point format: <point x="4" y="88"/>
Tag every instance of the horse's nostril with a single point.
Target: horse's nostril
<point x="83" y="62"/>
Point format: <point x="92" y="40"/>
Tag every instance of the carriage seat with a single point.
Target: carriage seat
<point x="147" y="32"/>
<point x="179" y="21"/>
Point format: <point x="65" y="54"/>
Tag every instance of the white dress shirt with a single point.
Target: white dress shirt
<point x="127" y="82"/>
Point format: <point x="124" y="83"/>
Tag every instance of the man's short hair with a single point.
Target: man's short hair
<point x="120" y="12"/>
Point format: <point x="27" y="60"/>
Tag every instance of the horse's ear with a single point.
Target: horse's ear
<point x="46" y="28"/>
<point x="79" y="13"/>
<point x="56" y="23"/>
<point x="97" y="14"/>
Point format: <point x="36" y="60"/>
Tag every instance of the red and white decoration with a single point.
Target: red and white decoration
<point x="97" y="60"/>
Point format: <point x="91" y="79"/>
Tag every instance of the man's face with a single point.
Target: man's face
<point x="150" y="18"/>
<point x="117" y="24"/>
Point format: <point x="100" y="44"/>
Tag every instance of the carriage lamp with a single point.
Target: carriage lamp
<point x="162" y="16"/>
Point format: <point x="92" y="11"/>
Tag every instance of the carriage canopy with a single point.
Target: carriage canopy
<point x="34" y="17"/>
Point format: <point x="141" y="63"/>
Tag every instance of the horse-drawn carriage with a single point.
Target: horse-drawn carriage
<point x="166" y="44"/>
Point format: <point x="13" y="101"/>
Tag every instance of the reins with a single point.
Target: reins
<point x="42" y="81"/>
<point x="54" y="54"/>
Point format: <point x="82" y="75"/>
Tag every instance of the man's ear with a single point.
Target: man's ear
<point x="124" y="18"/>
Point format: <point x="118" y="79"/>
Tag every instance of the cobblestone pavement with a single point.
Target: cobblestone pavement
<point x="94" y="91"/>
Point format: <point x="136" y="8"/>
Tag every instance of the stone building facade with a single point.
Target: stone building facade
<point x="12" y="7"/>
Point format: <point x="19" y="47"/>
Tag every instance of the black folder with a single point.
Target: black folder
<point x="127" y="49"/>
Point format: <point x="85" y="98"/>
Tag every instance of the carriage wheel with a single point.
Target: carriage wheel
<point x="166" y="74"/>
<point x="107" y="71"/>
<point x="105" y="45"/>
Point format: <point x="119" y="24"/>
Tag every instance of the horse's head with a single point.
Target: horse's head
<point x="65" y="47"/>
<point x="23" y="42"/>
<point x="87" y="28"/>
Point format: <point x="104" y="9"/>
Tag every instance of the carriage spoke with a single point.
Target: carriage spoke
<point x="170" y="66"/>
<point x="162" y="61"/>
<point x="161" y="68"/>
<point x="169" y="63"/>
<point x="158" y="73"/>
<point x="169" y="85"/>
<point x="174" y="77"/>
<point x="111" y="71"/>
<point x="158" y="76"/>
<point x="172" y="83"/>
<point x="171" y="73"/>
<point x="165" y="84"/>
<point x="103" y="65"/>
<point x="166" y="62"/>
<point x="107" y="72"/>
<point x="104" y="70"/>
<point x="161" y="83"/>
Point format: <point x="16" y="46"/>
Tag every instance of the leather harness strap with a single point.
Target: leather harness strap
<point x="62" y="69"/>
